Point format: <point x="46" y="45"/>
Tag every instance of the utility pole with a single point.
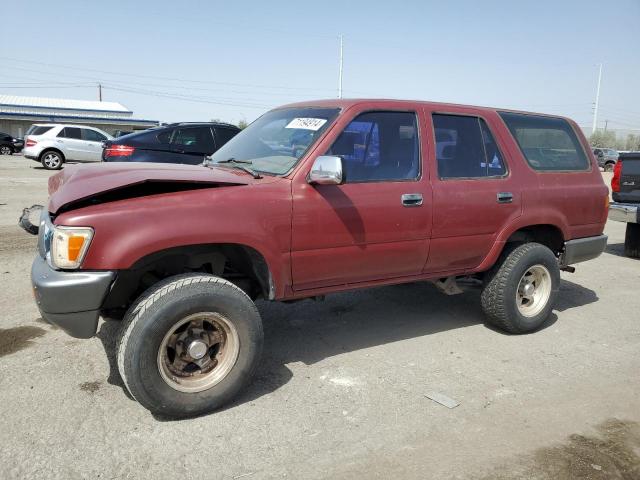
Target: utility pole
<point x="595" y="108"/>
<point x="606" y="124"/>
<point x="340" y="75"/>
<point x="100" y="92"/>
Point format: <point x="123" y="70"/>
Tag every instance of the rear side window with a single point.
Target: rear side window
<point x="223" y="135"/>
<point x="92" y="136"/>
<point x="34" y="130"/>
<point x="548" y="144"/>
<point x="194" y="139"/>
<point x="465" y="148"/>
<point x="70" y="132"/>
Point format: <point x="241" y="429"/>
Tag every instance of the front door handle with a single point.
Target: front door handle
<point x="411" y="199"/>
<point x="504" y="197"/>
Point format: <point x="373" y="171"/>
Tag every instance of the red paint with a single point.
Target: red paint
<point x="320" y="239"/>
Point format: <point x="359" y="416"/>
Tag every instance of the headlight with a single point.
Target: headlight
<point x="69" y="246"/>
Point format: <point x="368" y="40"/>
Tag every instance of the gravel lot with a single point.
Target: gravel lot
<point x="341" y="392"/>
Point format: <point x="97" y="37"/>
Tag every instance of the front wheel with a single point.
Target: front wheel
<point x="6" y="150"/>
<point x="521" y="289"/>
<point x="189" y="345"/>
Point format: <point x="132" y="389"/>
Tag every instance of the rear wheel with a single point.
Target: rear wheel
<point x="189" y="345"/>
<point x="608" y="167"/>
<point x="632" y="240"/>
<point x="520" y="290"/>
<point x="51" y="160"/>
<point x="6" y="150"/>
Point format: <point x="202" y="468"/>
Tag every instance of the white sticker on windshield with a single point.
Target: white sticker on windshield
<point x="307" y="123"/>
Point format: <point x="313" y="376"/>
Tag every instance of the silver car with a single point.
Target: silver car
<point x="53" y="144"/>
<point x="607" y="158"/>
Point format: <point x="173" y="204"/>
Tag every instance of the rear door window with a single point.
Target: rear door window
<point x="70" y="132"/>
<point x="92" y="135"/>
<point x="194" y="139"/>
<point x="465" y="148"/>
<point x="547" y="143"/>
<point x="223" y="135"/>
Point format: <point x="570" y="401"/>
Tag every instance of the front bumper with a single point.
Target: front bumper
<point x="624" y="212"/>
<point x="70" y="300"/>
<point x="582" y="249"/>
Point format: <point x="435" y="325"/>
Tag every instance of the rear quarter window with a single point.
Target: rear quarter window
<point x="38" y="130"/>
<point x="547" y="143"/>
<point x="153" y="136"/>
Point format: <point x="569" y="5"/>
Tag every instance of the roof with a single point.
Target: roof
<point x="345" y="103"/>
<point x="62" y="104"/>
<point x="219" y="124"/>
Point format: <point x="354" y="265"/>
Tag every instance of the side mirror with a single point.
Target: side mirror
<point x="326" y="170"/>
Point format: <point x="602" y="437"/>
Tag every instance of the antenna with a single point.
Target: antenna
<point x="340" y="75"/>
<point x="99" y="92"/>
<point x="595" y="109"/>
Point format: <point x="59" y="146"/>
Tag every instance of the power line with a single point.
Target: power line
<point x="157" y="77"/>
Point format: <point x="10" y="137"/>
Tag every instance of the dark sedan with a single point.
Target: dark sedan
<point x="9" y="144"/>
<point x="175" y="143"/>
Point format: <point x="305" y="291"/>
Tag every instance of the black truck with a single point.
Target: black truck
<point x="625" y="187"/>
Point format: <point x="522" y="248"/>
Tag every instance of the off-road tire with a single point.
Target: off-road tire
<point x="501" y="284"/>
<point x="632" y="240"/>
<point x="150" y="318"/>
<point x="48" y="165"/>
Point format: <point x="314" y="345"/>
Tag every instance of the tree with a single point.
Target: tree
<point x="632" y="143"/>
<point x="603" y="139"/>
<point x="242" y="124"/>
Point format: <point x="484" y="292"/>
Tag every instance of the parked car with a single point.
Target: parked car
<point x="10" y="145"/>
<point x="175" y="143"/>
<point x="311" y="199"/>
<point x="625" y="188"/>
<point x="53" y="144"/>
<point x="607" y="158"/>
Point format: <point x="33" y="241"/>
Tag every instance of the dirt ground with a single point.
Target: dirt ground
<point x="341" y="392"/>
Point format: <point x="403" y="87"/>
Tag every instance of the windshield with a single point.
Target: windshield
<point x="275" y="142"/>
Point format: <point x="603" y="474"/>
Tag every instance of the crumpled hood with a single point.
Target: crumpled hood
<point x="81" y="182"/>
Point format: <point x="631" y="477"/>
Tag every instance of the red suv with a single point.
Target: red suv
<point x="313" y="198"/>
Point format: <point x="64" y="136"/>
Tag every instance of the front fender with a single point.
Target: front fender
<point x="257" y="216"/>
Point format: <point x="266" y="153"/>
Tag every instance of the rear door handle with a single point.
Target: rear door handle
<point x="412" y="199"/>
<point x="504" y="197"/>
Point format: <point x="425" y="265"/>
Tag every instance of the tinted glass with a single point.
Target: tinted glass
<point x="34" y="130"/>
<point x="379" y="146"/>
<point x="194" y="139"/>
<point x="465" y="148"/>
<point x="631" y="166"/>
<point x="70" y="132"/>
<point x="547" y="143"/>
<point x="92" y="135"/>
<point x="275" y="142"/>
<point x="223" y="135"/>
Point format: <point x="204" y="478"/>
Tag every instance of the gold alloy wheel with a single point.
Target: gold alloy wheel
<point x="198" y="352"/>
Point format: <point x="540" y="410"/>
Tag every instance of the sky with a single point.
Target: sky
<point x="197" y="61"/>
